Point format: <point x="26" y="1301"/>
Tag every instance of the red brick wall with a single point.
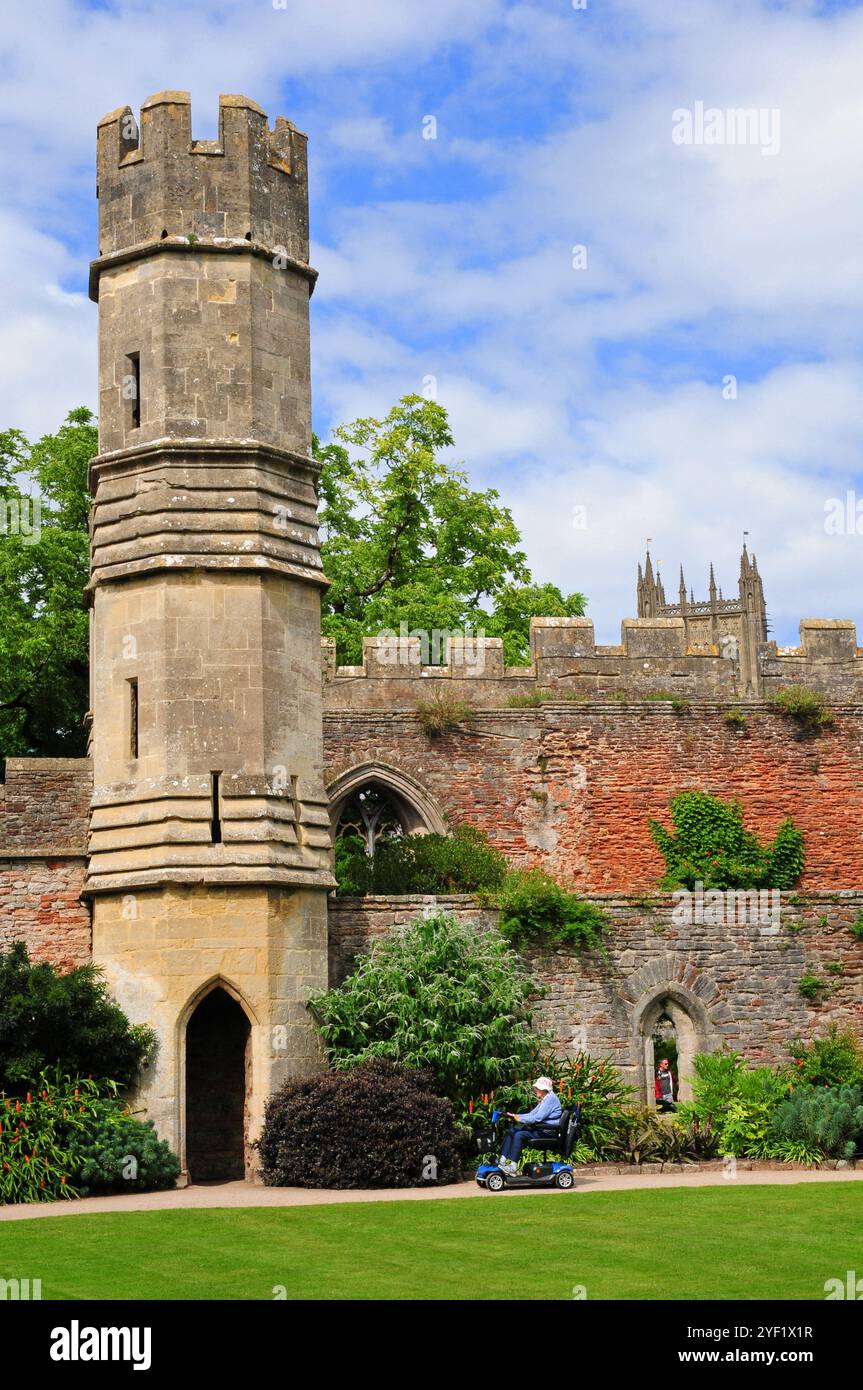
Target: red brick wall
<point x="45" y="803"/>
<point x="572" y="789"/>
<point x="43" y="836"/>
<point x="40" y="905"/>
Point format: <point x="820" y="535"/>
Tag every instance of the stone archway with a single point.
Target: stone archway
<point x="408" y="804"/>
<point x="693" y="1033"/>
<point x="217" y="1087"/>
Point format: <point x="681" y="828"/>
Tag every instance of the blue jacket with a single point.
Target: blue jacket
<point x="547" y="1112"/>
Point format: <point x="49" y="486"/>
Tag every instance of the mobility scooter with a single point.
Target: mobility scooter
<point x="557" y="1173"/>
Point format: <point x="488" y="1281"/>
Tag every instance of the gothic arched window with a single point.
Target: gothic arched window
<point x="370" y="815"/>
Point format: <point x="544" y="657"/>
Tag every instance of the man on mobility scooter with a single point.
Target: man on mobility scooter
<point x="547" y="1127"/>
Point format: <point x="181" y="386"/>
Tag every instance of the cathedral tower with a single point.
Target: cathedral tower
<point x="209" y="837"/>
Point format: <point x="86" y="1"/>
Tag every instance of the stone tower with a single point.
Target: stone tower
<point x="735" y="627"/>
<point x="209" y="836"/>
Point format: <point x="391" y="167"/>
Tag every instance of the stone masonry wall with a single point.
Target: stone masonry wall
<point x="744" y="977"/>
<point x="654" y="655"/>
<point x="43" y="837"/>
<point x="571" y="786"/>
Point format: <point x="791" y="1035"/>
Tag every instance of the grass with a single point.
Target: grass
<point x="770" y="1242"/>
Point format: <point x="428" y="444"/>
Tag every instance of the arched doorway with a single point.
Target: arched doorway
<point x="218" y="1037"/>
<point x="665" y="1048"/>
<point x="669" y="1020"/>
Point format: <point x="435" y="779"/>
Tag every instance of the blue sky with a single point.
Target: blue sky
<point x="452" y="258"/>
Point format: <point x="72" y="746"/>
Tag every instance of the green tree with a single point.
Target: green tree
<point x="44" y="558"/>
<point x="514" y="607"/>
<point x="406" y="540"/>
<point x="437" y="995"/>
<point x="66" y="1021"/>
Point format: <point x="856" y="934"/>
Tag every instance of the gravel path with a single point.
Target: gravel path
<point x="247" y="1194"/>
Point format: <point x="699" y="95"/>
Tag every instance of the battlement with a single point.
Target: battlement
<point x="155" y="183"/>
<point x="654" y="658"/>
<point x="827" y="659"/>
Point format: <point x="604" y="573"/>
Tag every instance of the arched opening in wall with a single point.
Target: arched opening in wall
<point x="670" y="1021"/>
<point x="373" y="803"/>
<point x="218" y="1064"/>
<point x="665" y="1050"/>
<point x="371" y="815"/>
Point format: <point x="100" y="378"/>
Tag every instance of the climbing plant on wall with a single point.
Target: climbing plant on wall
<point x="709" y="844"/>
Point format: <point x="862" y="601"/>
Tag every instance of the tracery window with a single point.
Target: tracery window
<point x="371" y="816"/>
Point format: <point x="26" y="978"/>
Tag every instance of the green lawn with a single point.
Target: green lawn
<point x="713" y="1242"/>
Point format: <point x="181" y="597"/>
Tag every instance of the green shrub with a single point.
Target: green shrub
<point x="818" y="1123"/>
<point x="732" y="1103"/>
<point x="443" y="713"/>
<point x="856" y="928"/>
<point x="811" y="986"/>
<point x="116" y="1152"/>
<point x="735" y="718"/>
<point x="645" y="1138"/>
<point x="440" y="995"/>
<point x="806" y="707"/>
<point x="534" y="907"/>
<point x="72" y="1136"/>
<point x="710" y="845"/>
<point x="49" y="1020"/>
<point x="463" y="862"/>
<point x="374" y="1125"/>
<point x="37" y="1130"/>
<point x="835" y="1059"/>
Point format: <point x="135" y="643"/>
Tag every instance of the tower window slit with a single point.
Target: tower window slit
<point x="133" y="719"/>
<point x="298" y="811"/>
<point x="132" y="389"/>
<point x="215" y="813"/>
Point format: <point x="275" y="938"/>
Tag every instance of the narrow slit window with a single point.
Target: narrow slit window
<point x="132" y="390"/>
<point x="133" y="719"/>
<point x="215" y="813"/>
<point x="298" y="811"/>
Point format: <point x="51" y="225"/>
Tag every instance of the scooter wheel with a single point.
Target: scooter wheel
<point x="495" y="1182"/>
<point x="564" y="1179"/>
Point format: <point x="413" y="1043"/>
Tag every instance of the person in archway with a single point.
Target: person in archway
<point x="664" y="1086"/>
<point x="539" y="1123"/>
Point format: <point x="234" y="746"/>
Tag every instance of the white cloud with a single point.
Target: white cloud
<point x="452" y="258"/>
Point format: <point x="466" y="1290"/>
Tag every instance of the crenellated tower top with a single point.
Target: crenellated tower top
<point x="156" y="184"/>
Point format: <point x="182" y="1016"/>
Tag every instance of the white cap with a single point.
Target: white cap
<point x="543" y="1084"/>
